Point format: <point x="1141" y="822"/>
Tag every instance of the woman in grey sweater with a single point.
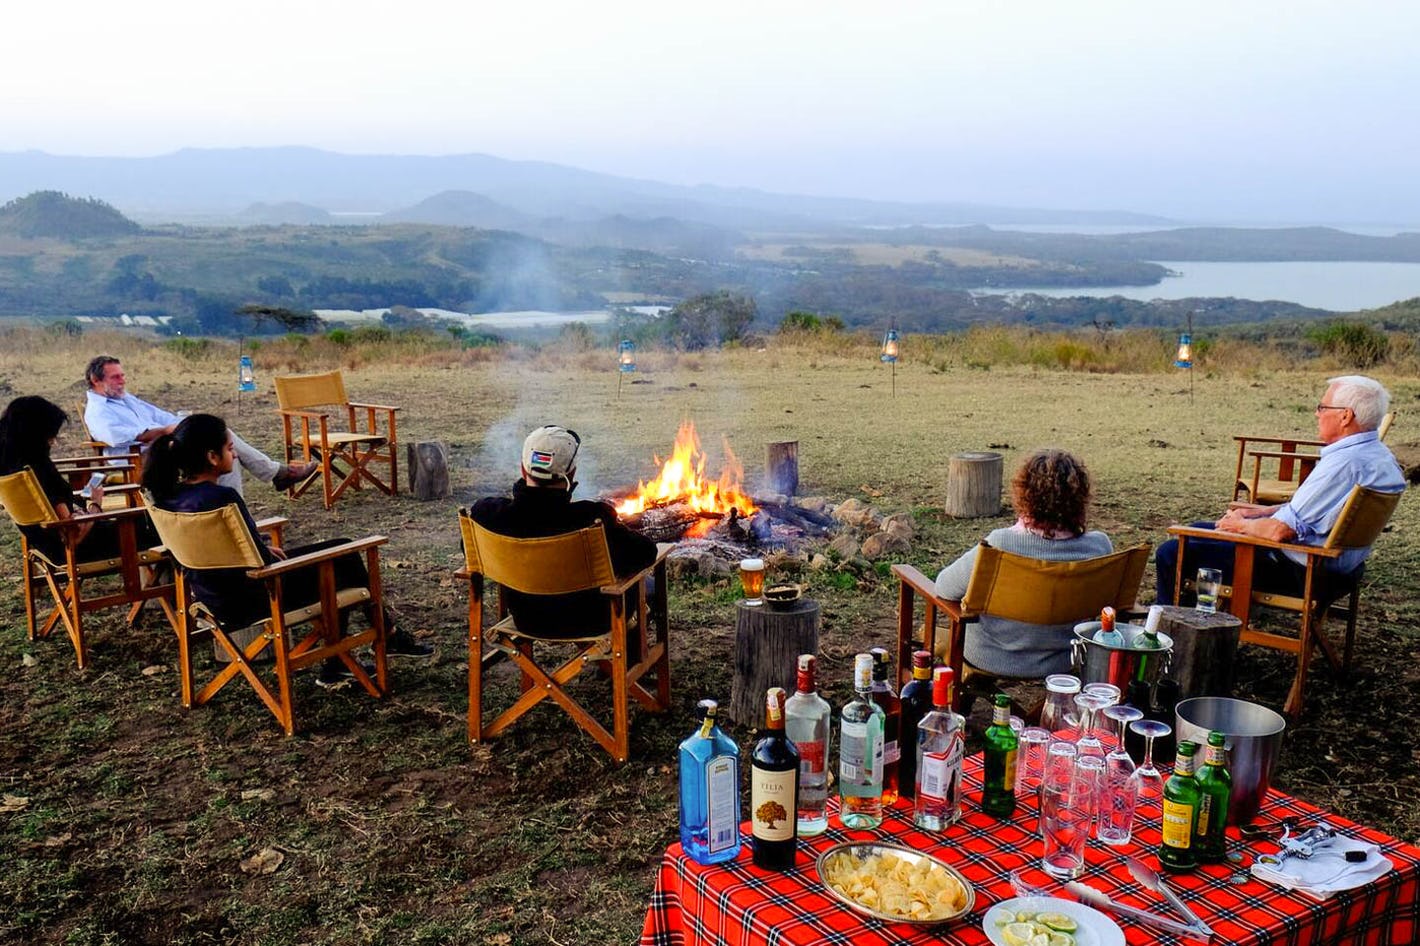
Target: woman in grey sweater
<point x="1051" y="493"/>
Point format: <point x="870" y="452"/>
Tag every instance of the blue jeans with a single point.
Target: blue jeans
<point x="1271" y="570"/>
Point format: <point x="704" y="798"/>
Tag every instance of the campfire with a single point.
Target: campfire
<point x="682" y="504"/>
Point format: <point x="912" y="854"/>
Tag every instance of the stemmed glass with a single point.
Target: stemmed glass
<point x="1089" y="705"/>
<point x="1148" y="782"/>
<point x="1119" y="798"/>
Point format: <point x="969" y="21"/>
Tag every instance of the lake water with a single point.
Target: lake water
<point x="1339" y="287"/>
<point x="493" y="320"/>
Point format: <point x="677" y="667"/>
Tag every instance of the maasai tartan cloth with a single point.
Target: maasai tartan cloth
<point x="738" y="904"/>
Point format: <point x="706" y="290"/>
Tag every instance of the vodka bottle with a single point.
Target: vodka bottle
<point x="1107" y="634"/>
<point x="1179" y="852"/>
<point x="1215" y="786"/>
<point x="860" y="753"/>
<point x="806" y="722"/>
<point x="773" y="790"/>
<point x="916" y="703"/>
<point x="998" y="787"/>
<point x="709" y="791"/>
<point x="940" y="747"/>
<point x="886" y="697"/>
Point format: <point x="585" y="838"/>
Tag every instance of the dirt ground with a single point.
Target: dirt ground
<point x="126" y="819"/>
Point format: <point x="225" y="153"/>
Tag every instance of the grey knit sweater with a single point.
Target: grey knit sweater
<point x="1011" y="648"/>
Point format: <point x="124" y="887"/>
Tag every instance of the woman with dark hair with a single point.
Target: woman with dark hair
<point x="1051" y="495"/>
<point x="181" y="473"/>
<point x="29" y="427"/>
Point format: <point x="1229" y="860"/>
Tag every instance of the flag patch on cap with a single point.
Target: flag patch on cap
<point x="538" y="458"/>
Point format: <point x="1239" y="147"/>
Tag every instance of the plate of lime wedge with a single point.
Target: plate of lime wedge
<point x="1049" y="921"/>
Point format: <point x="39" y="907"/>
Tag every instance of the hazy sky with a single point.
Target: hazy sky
<point x="1241" y="109"/>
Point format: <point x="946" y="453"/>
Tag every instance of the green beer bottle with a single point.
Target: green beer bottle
<point x="1214" y="786"/>
<point x="1179" y="852"/>
<point x="998" y="790"/>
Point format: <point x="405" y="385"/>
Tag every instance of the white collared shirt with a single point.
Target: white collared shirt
<point x="117" y="421"/>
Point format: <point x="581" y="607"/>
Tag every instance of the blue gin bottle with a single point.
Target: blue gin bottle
<point x="710" y="791"/>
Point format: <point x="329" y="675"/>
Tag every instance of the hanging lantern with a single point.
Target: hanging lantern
<point x="890" y="347"/>
<point x="246" y="375"/>
<point x="1184" y="358"/>
<point x="626" y="355"/>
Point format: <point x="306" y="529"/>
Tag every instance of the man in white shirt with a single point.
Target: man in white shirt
<point x="122" y="421"/>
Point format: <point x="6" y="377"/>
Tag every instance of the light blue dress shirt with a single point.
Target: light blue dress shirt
<point x="118" y="421"/>
<point x="1358" y="460"/>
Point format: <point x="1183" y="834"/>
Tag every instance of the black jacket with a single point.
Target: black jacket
<point x="539" y="512"/>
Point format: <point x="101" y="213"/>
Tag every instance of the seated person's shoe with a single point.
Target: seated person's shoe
<point x="293" y="474"/>
<point x="401" y="643"/>
<point x="334" y="674"/>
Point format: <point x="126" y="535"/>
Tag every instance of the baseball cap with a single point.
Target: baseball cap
<point x="550" y="453"/>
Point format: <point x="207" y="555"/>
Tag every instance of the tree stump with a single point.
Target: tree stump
<point x="768" y="642"/>
<point x="781" y="467"/>
<point x="974" y="485"/>
<point x="427" y="463"/>
<point x="1205" y="648"/>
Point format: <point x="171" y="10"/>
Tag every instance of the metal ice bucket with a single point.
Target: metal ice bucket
<point x="1254" y="738"/>
<point x="1103" y="663"/>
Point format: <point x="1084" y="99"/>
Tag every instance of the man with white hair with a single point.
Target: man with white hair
<point x="1352" y="455"/>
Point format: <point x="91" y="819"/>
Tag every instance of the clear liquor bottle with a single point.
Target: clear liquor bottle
<point x="886" y="697"/>
<point x="1178" y="852"/>
<point x="709" y="791"/>
<point x="806" y="722"/>
<point x="998" y="787"/>
<point x="774" y="786"/>
<point x="860" y="753"/>
<point x="916" y="703"/>
<point x="1215" y="787"/>
<point x="940" y="747"/>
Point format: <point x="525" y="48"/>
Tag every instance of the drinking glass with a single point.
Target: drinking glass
<point x="1148" y="781"/>
<point x="1107" y="690"/>
<point x="1089" y="705"/>
<point x="752" y="577"/>
<point x="1119" y="797"/>
<point x="1060" y="690"/>
<point x="1210" y="580"/>
<point x="1030" y="759"/>
<point x="1064" y="814"/>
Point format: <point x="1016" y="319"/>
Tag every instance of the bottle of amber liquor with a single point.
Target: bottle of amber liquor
<point x="774" y="790"/>
<point x="886" y="697"/>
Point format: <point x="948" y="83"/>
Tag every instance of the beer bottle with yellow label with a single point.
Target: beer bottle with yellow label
<point x="1179" y="850"/>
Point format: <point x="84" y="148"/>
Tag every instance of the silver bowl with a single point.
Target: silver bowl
<point x="864" y="849"/>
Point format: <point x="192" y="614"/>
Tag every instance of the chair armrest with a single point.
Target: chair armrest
<point x="377" y="407"/>
<point x="911" y="576"/>
<point x="288" y="412"/>
<point x="464" y="574"/>
<point x="110" y="515"/>
<point x="1299" y="441"/>
<point x="622" y="587"/>
<point x="311" y="558"/>
<point x="1284" y="455"/>
<point x="1246" y="506"/>
<point x="1239" y="538"/>
<point x="272" y="524"/>
<point x="106" y="460"/>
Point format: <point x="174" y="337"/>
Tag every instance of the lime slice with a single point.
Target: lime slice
<point x="1058" y="922"/>
<point x="1061" y="939"/>
<point x="1017" y="934"/>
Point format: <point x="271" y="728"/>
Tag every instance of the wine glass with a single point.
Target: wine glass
<point x="1147" y="780"/>
<point x="1118" y="798"/>
<point x="1089" y="705"/>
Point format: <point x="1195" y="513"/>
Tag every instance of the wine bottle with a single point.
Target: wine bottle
<point x="886" y="697"/>
<point x="774" y="790"/>
<point x="806" y="722"/>
<point x="916" y="699"/>
<point x="1107" y="634"/>
<point x="709" y="791"/>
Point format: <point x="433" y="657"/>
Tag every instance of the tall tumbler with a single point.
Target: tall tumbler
<point x="1065" y="809"/>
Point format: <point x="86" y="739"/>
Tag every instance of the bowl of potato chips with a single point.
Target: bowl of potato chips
<point x="894" y="883"/>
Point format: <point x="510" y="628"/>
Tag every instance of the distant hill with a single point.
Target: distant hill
<point x="289" y="213"/>
<point x="52" y="214"/>
<point x="461" y="209"/>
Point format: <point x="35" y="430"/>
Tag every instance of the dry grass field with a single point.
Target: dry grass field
<point x="136" y="814"/>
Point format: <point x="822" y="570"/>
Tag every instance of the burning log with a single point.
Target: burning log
<point x="813" y="523"/>
<point x="667" y="523"/>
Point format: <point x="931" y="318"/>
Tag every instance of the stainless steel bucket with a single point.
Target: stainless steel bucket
<point x="1254" y="739"/>
<point x="1102" y="663"/>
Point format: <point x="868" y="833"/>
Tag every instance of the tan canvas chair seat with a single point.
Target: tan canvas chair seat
<point x="564" y="564"/>
<point x="345" y="455"/>
<point x="136" y="570"/>
<point x="1016" y="588"/>
<point x="1362" y="520"/>
<point x="219" y="538"/>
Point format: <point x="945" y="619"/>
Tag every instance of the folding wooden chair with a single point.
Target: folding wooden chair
<point x="577" y="561"/>
<point x="1016" y="588"/>
<point x="136" y="569"/>
<point x="1294" y="457"/>
<point x="1362" y="519"/>
<point x="356" y="449"/>
<point x="220" y="539"/>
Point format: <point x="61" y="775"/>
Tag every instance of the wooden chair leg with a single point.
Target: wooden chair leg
<point x="905" y="607"/>
<point x="1350" y="631"/>
<point x="621" y="711"/>
<point x="28" y="580"/>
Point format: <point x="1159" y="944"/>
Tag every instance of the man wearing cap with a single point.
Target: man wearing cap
<point x="542" y="506"/>
<point x="1352" y="455"/>
<point x="124" y="421"/>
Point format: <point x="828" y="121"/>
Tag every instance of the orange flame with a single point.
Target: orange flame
<point x="682" y="480"/>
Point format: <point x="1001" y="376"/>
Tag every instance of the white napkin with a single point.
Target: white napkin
<point x="1326" y="871"/>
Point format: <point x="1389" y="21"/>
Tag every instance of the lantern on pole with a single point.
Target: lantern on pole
<point x="1184" y="357"/>
<point x="625" y="361"/>
<point x="889" y="354"/>
<point x="246" y="376"/>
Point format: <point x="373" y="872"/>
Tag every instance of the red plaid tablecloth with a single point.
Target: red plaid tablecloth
<point x="737" y="903"/>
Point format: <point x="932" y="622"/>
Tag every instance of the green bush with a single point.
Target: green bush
<point x="1360" y="345"/>
<point x="339" y="336"/>
<point x="371" y="335"/>
<point x="191" y="348"/>
<point x="71" y="328"/>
